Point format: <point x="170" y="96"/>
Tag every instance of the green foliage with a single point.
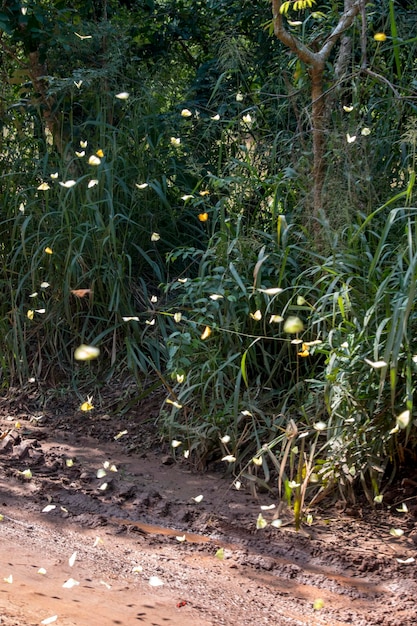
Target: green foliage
<point x="195" y="245"/>
<point x="244" y="290"/>
<point x="368" y="296"/>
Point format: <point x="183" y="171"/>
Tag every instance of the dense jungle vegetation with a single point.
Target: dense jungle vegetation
<point x="217" y="198"/>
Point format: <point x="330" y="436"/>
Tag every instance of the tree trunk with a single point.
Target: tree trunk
<point x="317" y="61"/>
<point x="318" y="120"/>
<point x="51" y="123"/>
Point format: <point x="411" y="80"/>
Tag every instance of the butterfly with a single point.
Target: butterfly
<point x="80" y="293"/>
<point x="83" y="36"/>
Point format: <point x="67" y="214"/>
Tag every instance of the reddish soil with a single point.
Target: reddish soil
<point x="347" y="558"/>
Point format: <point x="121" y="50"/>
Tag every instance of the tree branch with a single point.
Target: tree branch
<point x="315" y="59"/>
<point x="346" y="20"/>
<point x="294" y="44"/>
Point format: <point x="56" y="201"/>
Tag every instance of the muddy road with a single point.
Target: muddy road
<point x="98" y="531"/>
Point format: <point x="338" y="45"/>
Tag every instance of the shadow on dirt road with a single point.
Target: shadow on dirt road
<point x="149" y="551"/>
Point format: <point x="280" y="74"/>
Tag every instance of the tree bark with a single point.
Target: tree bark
<point x="318" y="115"/>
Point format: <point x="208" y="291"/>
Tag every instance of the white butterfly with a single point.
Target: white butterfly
<point x="83" y="36"/>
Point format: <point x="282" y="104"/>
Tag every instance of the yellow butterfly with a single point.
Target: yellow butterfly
<point x="87" y="406"/>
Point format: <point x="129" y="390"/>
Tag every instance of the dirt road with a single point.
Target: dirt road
<point x="95" y="536"/>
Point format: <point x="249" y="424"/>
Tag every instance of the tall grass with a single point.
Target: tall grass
<point x="184" y="252"/>
<point x="347" y="375"/>
<point x="78" y="253"/>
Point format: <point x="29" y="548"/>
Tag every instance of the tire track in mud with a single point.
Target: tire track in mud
<point x="266" y="577"/>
